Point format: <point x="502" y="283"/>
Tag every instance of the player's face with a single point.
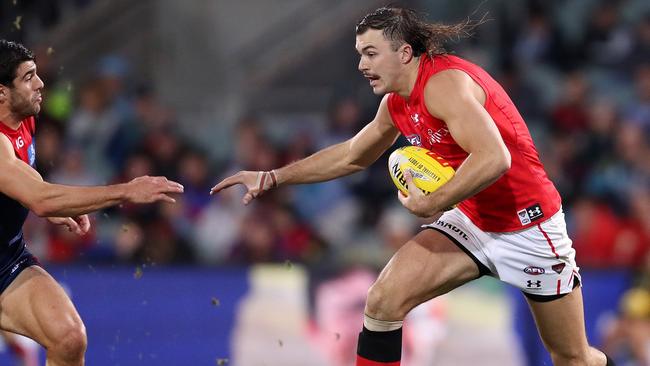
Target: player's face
<point x="379" y="62"/>
<point x="25" y="97"/>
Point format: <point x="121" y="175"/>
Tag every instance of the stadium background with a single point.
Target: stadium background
<point x="196" y="90"/>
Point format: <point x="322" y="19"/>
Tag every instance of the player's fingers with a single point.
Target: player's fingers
<point x="72" y="226"/>
<point x="408" y="177"/>
<point x="165" y="198"/>
<point x="402" y="197"/>
<point x="249" y="196"/>
<point x="173" y="187"/>
<point x="84" y="223"/>
<point x="228" y="182"/>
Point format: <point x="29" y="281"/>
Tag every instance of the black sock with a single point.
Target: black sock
<point x="385" y="347"/>
<point x="610" y="362"/>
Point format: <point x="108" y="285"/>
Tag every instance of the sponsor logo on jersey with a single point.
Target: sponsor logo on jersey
<point x="558" y="268"/>
<point x="453" y="228"/>
<point x="535" y="271"/>
<point x="437" y="136"/>
<point x="530" y="214"/>
<point x="414" y="139"/>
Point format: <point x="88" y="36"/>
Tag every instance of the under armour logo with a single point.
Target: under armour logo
<point x="536" y="284"/>
<point x="415" y="117"/>
<point x="535" y="211"/>
<point x="530" y="214"/>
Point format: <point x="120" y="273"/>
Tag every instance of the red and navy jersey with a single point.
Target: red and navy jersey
<point x="12" y="213"/>
<point x="524" y="195"/>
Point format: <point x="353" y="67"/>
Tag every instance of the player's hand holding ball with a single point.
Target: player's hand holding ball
<point x="256" y="183"/>
<point x="417" y="172"/>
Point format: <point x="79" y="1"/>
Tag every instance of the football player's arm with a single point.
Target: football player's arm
<point x="335" y="161"/>
<point x="455" y="98"/>
<point x="22" y="183"/>
<point x="347" y="157"/>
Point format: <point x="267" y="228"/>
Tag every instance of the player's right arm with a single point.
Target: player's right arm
<point x="332" y="162"/>
<point x="22" y="183"/>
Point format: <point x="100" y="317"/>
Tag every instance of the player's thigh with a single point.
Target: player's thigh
<point x="36" y="306"/>
<point x="427" y="266"/>
<point x="561" y="324"/>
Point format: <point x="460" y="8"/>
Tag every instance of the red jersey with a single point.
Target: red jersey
<point x="524" y="195"/>
<point x="12" y="213"/>
<point x="21" y="139"/>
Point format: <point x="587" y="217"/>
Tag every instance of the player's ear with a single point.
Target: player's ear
<point x="4" y="93"/>
<point x="405" y="53"/>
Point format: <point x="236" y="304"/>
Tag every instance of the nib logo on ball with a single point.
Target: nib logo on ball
<point x="429" y="171"/>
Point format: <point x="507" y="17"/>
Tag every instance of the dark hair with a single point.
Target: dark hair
<point x="12" y="54"/>
<point x="402" y="25"/>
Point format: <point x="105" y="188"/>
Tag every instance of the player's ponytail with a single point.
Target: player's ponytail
<point x="401" y="25"/>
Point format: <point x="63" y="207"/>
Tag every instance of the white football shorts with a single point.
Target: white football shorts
<point x="539" y="260"/>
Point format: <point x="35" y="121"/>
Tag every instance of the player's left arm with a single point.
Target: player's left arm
<point x="454" y="97"/>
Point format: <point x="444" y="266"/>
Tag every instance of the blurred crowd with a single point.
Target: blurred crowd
<point x="586" y="98"/>
<point x="583" y="90"/>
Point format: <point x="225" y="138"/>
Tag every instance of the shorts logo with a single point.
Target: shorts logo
<point x="531" y="270"/>
<point x="558" y="267"/>
<point x="16" y="266"/>
<point x="534" y="284"/>
<point x="453" y="228"/>
<point x="530" y="214"/>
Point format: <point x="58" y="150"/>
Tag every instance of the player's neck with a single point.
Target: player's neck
<point x="410" y="77"/>
<point x="9" y="119"/>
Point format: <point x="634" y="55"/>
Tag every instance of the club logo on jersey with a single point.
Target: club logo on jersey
<point x="437" y="136"/>
<point x="31" y="154"/>
<point x="530" y="214"/>
<point x="535" y="285"/>
<point x="414" y="140"/>
<point x="453" y="228"/>
<point x="535" y="271"/>
<point x="558" y="267"/>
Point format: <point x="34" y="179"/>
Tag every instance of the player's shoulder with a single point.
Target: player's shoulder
<point x="447" y="80"/>
<point x="385" y="107"/>
<point x="6" y="147"/>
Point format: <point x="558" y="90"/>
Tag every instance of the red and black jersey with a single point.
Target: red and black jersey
<point x="12" y="213"/>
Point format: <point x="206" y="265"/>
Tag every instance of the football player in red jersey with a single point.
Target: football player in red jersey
<point x="31" y="302"/>
<point x="508" y="222"/>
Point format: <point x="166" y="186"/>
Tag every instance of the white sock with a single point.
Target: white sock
<point x="377" y="325"/>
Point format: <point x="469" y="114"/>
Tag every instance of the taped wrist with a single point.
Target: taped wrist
<point x="266" y="180"/>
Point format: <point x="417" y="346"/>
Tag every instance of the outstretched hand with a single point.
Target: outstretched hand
<point x="78" y="225"/>
<point x="256" y="183"/>
<point x="152" y="189"/>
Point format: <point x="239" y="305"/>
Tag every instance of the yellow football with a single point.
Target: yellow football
<point x="429" y="170"/>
